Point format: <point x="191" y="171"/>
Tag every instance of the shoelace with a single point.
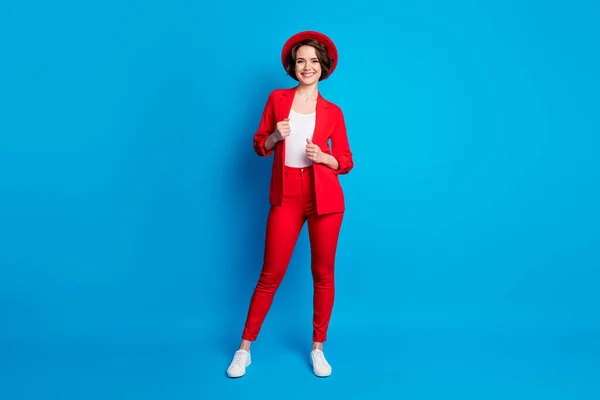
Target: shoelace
<point x="319" y="358"/>
<point x="239" y="359"/>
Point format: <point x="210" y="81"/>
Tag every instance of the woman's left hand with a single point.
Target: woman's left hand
<point x="314" y="153"/>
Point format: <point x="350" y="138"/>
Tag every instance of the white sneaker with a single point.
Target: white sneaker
<point x="320" y="365"/>
<point x="241" y="360"/>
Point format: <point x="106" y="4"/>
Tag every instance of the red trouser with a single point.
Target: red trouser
<point x="283" y="227"/>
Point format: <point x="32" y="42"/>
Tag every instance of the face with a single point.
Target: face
<point x="308" y="68"/>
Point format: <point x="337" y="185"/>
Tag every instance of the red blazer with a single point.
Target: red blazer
<point x="329" y="125"/>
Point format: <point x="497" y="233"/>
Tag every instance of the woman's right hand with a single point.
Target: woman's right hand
<point x="283" y="129"/>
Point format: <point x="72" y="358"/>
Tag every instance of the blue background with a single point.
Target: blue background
<point x="132" y="206"/>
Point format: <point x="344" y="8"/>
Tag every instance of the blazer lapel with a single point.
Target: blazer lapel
<point x="285" y="104"/>
<point x="320" y="119"/>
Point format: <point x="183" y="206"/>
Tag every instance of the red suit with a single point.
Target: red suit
<point x="312" y="194"/>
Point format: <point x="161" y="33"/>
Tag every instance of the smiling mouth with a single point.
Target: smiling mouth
<point x="307" y="74"/>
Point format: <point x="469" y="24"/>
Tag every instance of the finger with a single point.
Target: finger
<point x="309" y="141"/>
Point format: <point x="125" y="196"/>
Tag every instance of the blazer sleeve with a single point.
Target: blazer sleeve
<point x="340" y="147"/>
<point x="265" y="128"/>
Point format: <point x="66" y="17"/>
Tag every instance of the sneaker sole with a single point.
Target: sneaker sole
<point x="315" y="372"/>
<point x="238" y="376"/>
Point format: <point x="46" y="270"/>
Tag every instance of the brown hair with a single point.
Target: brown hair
<point x="322" y="55"/>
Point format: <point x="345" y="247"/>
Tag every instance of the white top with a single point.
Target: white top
<point x="302" y="126"/>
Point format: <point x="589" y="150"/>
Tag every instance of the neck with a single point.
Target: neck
<point x="308" y="92"/>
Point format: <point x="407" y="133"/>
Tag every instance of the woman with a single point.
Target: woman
<point x="296" y="127"/>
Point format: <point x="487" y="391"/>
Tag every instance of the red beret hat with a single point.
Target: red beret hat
<point x="324" y="40"/>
